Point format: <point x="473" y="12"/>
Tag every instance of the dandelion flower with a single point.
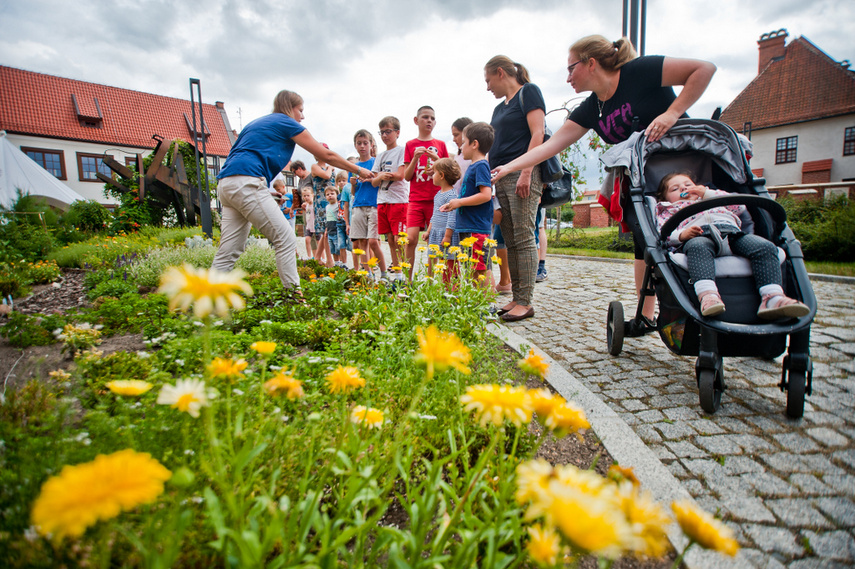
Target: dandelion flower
<point x="207" y="290"/>
<point x="454" y="250"/>
<point x="372" y="262"/>
<point x="440" y="350"/>
<point x="370" y="417"/>
<point x="543" y="545"/>
<point x="496" y="260"/>
<point x="490" y="243"/>
<point x="434" y="247"/>
<point x="438" y="268"/>
<point x="405" y="265"/>
<point x="533" y="479"/>
<point x="83" y="494"/>
<point x="285" y="383"/>
<point x="468" y="242"/>
<point x="422" y="249"/>
<point x="462" y="257"/>
<point x="533" y="364"/>
<point x="344" y="379"/>
<point x="361" y="273"/>
<point x="591" y="522"/>
<point x="358" y="252"/>
<point x="705" y="530"/>
<point x="647" y="518"/>
<point x="187" y="395"/>
<point x="227" y="368"/>
<point x="495" y="403"/>
<point x="129" y="387"/>
<point x="264" y="348"/>
<point x="567" y="418"/>
<point x="544" y="401"/>
<point x="403" y="240"/>
<point x="620" y="473"/>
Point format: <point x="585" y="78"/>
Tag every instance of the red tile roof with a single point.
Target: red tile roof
<point x="806" y="84"/>
<point x="42" y="105"/>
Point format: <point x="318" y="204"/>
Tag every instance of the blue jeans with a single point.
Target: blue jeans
<point x="341" y="237"/>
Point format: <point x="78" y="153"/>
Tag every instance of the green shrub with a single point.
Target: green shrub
<point x="826" y="229"/>
<point x="130" y="312"/>
<point x="112" y="287"/>
<point x="25" y="330"/>
<point x="88" y="215"/>
<point x="20" y="241"/>
<point x="605" y="240"/>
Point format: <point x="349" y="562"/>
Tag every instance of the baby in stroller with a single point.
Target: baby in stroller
<point x="717" y="232"/>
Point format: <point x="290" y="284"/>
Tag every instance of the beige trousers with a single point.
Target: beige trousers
<point x="246" y="202"/>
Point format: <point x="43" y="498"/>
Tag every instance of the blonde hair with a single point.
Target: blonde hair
<point x="611" y="55"/>
<point x="390" y="122"/>
<point x="341" y="176"/>
<point x="449" y="169"/>
<point x="285" y="101"/>
<point x="511" y="68"/>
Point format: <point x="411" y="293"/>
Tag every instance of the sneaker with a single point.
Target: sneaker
<point x="541" y="275"/>
<point x="785" y="307"/>
<point x="711" y="303"/>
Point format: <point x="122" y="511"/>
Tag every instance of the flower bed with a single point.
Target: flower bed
<point x="362" y="424"/>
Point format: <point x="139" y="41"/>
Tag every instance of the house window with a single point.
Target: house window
<point x="89" y="164"/>
<point x="785" y="150"/>
<point x="51" y="160"/>
<point x="849" y="141"/>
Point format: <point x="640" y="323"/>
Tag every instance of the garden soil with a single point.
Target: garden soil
<point x="18" y="366"/>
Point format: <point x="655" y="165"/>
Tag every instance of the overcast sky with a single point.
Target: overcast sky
<point x="355" y="62"/>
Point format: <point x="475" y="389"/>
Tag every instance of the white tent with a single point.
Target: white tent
<point x="19" y="172"/>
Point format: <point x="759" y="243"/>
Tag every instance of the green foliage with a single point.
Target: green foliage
<point x="130" y="313"/>
<point x="113" y="288"/>
<point x="826" y="229"/>
<point x="607" y="239"/>
<point x="25" y="330"/>
<point x="21" y="240"/>
<point x="579" y="155"/>
<point x="88" y="215"/>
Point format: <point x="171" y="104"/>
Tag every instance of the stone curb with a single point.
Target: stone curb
<point x="625" y="447"/>
<point x="813" y="276"/>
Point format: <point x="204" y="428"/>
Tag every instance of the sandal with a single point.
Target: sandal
<point x="711" y="303"/>
<point x="786" y="307"/>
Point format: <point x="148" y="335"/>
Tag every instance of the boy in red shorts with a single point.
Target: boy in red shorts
<point x="393" y="192"/>
<point x="419" y="156"/>
<point x="475" y="205"/>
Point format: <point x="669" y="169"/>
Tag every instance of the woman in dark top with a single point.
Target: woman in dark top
<point x="518" y="128"/>
<point x="624" y="86"/>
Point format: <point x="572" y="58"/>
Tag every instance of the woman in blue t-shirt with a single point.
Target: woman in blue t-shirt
<point x="263" y="148"/>
<point x="624" y="86"/>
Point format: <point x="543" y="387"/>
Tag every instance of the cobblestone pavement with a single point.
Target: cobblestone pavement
<point x="785" y="486"/>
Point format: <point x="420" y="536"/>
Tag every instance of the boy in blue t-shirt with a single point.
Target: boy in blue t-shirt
<point x="475" y="206"/>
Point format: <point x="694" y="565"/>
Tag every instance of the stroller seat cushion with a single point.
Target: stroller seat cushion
<point x="727" y="266"/>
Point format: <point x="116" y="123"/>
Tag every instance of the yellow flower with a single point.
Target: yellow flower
<point x="647" y="519"/>
<point x="129" y="387"/>
<point x="285" y="383"/>
<point x="207" y="290"/>
<point x="496" y="260"/>
<point x="495" y="403"/>
<point x="402" y="233"/>
<point x="60" y="375"/>
<point x="532" y="485"/>
<point x="490" y="243"/>
<point x="372" y="262"/>
<point x="422" y="249"/>
<point x="395" y="268"/>
<point x="187" y="395"/>
<point x="533" y="364"/>
<point x="264" y="348"/>
<point x="482" y="278"/>
<point x="544" y="401"/>
<point x="434" y="247"/>
<point x="405" y="265"/>
<point x="344" y="378"/>
<point x="361" y="273"/>
<point x="620" y="473"/>
<point x="83" y="494"/>
<point x="462" y="257"/>
<point x="438" y="268"/>
<point x="227" y="368"/>
<point x="468" y="242"/>
<point x="700" y="527"/>
<point x="543" y="545"/>
<point x="358" y="252"/>
<point x="403" y="240"/>
<point x="372" y="418"/>
<point x="440" y="350"/>
<point x="454" y="250"/>
<point x="591" y="522"/>
<point x="567" y="418"/>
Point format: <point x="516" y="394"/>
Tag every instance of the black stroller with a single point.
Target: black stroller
<point x="717" y="156"/>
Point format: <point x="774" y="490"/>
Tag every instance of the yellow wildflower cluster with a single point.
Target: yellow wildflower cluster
<point x="284" y="383"/>
<point x="439" y="351"/>
<point x="344" y="379"/>
<point x="498" y="403"/>
<point x="468" y="242"/>
<point x="533" y="364"/>
<point x="368" y="416"/>
<point x="226" y="368"/>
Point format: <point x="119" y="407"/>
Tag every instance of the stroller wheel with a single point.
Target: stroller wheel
<point x="615" y="328"/>
<point x="796" y="394"/>
<point x="709" y="389"/>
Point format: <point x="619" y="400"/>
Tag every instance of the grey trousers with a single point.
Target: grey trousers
<point x="247" y="202"/>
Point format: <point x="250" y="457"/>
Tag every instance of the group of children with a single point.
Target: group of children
<point x="418" y="187"/>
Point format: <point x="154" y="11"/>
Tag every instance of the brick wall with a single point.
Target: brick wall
<point x="599" y="217"/>
<point x="816" y="172"/>
<point x="582" y="215"/>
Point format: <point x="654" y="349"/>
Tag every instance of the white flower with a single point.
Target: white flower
<point x="188" y="395"/>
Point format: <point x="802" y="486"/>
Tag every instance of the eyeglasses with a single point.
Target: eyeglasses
<point x="387" y="131"/>
<point x="570" y="68"/>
